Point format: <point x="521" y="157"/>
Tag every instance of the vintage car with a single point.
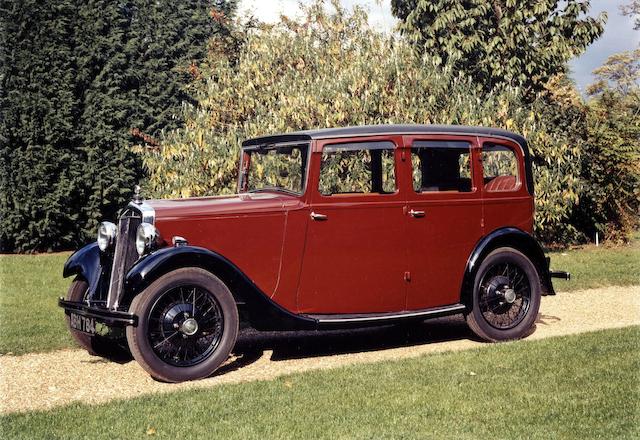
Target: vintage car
<point x="330" y="228"/>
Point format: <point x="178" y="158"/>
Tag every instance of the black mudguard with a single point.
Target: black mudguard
<point x="264" y="313"/>
<point x="506" y="237"/>
<point x="86" y="262"/>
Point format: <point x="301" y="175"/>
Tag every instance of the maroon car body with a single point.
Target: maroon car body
<point x="354" y="226"/>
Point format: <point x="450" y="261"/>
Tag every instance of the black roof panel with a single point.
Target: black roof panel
<point x="327" y="133"/>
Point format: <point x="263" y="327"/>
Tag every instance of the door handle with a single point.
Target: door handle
<point x="318" y="217"/>
<point x="416" y="214"/>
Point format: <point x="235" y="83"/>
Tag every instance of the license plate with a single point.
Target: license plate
<point x="82" y="323"/>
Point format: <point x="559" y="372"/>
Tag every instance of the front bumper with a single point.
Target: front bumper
<point x="111" y="318"/>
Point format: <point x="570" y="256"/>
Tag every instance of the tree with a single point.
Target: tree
<point x="39" y="173"/>
<point x="520" y="43"/>
<point x="79" y="80"/>
<point x="632" y="9"/>
<point x="611" y="161"/>
<point x="620" y="73"/>
<point x="331" y="70"/>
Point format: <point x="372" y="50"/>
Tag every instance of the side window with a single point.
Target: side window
<point x="440" y="166"/>
<point x="363" y="168"/>
<point x="499" y="168"/>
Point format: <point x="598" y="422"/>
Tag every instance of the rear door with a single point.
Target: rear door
<point x="443" y="216"/>
<point x="354" y="259"/>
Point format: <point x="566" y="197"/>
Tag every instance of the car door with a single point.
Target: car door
<point x="444" y="216"/>
<point x="354" y="258"/>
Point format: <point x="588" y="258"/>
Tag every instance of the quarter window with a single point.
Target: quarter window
<point x="358" y="168"/>
<point x="499" y="168"/>
<point x="440" y="166"/>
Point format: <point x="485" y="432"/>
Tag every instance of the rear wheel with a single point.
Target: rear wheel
<point x="95" y="345"/>
<point x="187" y="325"/>
<point x="506" y="296"/>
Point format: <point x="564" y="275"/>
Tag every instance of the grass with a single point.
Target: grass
<point x="593" y="267"/>
<point x="30" y="320"/>
<point x="574" y="387"/>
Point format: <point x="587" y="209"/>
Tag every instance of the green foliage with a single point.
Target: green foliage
<point x="620" y="73"/>
<point x="331" y="70"/>
<point x="521" y="43"/>
<point x="610" y="203"/>
<point x="78" y="80"/>
<point x="39" y="169"/>
<point x="558" y="144"/>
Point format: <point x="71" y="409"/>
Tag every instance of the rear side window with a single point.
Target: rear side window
<point x="360" y="168"/>
<point x="499" y="168"/>
<point x="440" y="166"/>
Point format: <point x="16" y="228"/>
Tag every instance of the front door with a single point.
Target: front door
<point x="354" y="259"/>
<point x="444" y="217"/>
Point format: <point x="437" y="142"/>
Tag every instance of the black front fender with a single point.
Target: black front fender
<point x="263" y="312"/>
<point x="506" y="237"/>
<point x="86" y="262"/>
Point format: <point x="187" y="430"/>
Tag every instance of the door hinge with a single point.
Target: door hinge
<point x="407" y="276"/>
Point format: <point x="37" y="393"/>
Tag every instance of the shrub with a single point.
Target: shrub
<point x="330" y="70"/>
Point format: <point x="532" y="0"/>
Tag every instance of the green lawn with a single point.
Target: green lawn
<point x="30" y="319"/>
<point x="592" y="266"/>
<point x="30" y="286"/>
<point x="575" y="387"/>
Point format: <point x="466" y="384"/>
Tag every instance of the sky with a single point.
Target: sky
<point x="618" y="36"/>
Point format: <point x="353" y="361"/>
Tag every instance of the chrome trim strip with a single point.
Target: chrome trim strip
<point x="382" y="317"/>
<point x="148" y="213"/>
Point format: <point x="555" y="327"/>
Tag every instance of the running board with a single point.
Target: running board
<point x="367" y="318"/>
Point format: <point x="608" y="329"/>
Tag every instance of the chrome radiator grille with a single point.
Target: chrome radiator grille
<point x="124" y="254"/>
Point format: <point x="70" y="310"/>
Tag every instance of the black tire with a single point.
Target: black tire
<point x="506" y="296"/>
<point x="95" y="345"/>
<point x="163" y="310"/>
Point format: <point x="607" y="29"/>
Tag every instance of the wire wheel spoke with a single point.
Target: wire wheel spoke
<point x="504" y="295"/>
<point x="185" y="325"/>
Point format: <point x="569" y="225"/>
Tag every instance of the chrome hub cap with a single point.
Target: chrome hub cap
<point x="509" y="295"/>
<point x="189" y="327"/>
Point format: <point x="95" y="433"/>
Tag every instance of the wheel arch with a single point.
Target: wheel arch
<point x="505" y="237"/>
<point x="85" y="263"/>
<point x="263" y="312"/>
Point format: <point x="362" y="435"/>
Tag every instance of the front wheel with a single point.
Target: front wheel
<point x="506" y="296"/>
<point x="187" y="325"/>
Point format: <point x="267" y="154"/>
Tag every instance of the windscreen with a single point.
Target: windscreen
<point x="274" y="168"/>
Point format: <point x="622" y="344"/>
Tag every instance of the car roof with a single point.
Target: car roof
<point x="388" y="129"/>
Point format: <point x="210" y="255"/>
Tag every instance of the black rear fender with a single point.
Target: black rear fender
<point x="506" y="237"/>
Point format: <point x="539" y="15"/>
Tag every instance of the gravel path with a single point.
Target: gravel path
<point x="41" y="381"/>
